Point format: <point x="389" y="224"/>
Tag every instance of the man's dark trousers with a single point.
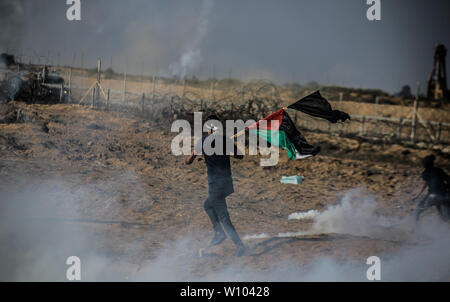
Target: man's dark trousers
<point x="216" y="208"/>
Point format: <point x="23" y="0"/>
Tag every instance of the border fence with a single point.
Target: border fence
<point x="253" y="100"/>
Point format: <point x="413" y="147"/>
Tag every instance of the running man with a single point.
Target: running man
<point x="438" y="183"/>
<point x="220" y="185"/>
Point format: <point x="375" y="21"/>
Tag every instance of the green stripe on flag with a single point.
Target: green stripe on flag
<point x="277" y="138"/>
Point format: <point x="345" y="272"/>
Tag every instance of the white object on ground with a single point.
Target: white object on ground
<point x="295" y="180"/>
<point x="256" y="236"/>
<point x="279" y="235"/>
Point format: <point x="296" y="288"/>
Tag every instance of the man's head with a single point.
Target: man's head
<point x="428" y="161"/>
<point x="212" y="123"/>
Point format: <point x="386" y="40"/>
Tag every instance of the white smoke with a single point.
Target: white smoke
<point x="34" y="247"/>
<point x="423" y="255"/>
<point x="192" y="56"/>
<point x="44" y="223"/>
<point x="256" y="236"/>
<point x="355" y="214"/>
<point x="303" y="215"/>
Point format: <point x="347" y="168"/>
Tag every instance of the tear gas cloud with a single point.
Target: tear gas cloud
<point x="34" y="247"/>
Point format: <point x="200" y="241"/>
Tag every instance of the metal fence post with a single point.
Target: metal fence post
<point x="99" y="75"/>
<point x="107" y="99"/>
<point x="99" y="69"/>
<point x="61" y="92"/>
<point x="153" y="88"/>
<point x="70" y="84"/>
<point x="124" y="95"/>
<point x="438" y="134"/>
<point x="93" y="97"/>
<point x="212" y="90"/>
<point x="399" y="129"/>
<point x="377" y="102"/>
<point x="414" y="121"/>
<point x="363" y="120"/>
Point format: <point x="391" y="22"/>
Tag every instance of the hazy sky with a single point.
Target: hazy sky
<point x="327" y="41"/>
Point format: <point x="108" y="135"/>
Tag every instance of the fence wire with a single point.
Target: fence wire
<point x="253" y="100"/>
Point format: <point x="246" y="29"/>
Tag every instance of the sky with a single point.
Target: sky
<point x="327" y="41"/>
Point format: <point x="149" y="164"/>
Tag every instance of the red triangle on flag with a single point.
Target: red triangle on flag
<point x="274" y="116"/>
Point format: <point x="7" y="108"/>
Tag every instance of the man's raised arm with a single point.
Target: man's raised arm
<point x="189" y="159"/>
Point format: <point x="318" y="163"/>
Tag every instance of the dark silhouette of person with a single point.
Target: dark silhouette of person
<point x="220" y="184"/>
<point x="437" y="182"/>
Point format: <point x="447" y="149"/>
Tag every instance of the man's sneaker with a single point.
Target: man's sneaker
<point x="240" y="251"/>
<point x="219" y="237"/>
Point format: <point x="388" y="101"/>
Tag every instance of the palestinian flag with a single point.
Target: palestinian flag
<point x="316" y="105"/>
<point x="287" y="136"/>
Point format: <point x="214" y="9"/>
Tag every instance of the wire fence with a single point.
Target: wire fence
<point x="385" y="129"/>
<point x="252" y="100"/>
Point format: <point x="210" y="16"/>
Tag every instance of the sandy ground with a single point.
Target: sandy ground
<point x="135" y="199"/>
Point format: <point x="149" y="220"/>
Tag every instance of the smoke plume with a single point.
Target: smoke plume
<point x="192" y="56"/>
